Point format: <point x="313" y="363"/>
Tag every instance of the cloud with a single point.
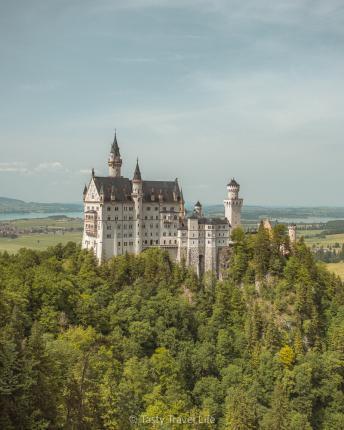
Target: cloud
<point x="49" y="165"/>
<point x="14" y="167"/>
<point x="22" y="167"/>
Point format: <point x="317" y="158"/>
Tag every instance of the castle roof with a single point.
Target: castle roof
<point x="198" y="204"/>
<point x="137" y="173"/>
<point x="115" y="147"/>
<point x="209" y="221"/>
<point x="233" y="183"/>
<point x="122" y="189"/>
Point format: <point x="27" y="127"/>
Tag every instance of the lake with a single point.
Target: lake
<point x="30" y="215"/>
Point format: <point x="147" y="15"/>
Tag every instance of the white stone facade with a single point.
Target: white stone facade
<point x="128" y="216"/>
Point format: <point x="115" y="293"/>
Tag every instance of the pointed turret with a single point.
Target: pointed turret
<point x="137" y="173"/>
<point x="176" y="190"/>
<point x="85" y="192"/>
<point x="115" y="161"/>
<point x="115" y="147"/>
<point x="181" y="196"/>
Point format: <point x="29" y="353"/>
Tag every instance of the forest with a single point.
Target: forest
<point x="140" y="342"/>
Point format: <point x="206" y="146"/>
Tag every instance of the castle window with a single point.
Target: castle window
<point x="131" y="208"/>
<point x="170" y="242"/>
<point x="164" y="208"/>
<point x="108" y="236"/>
<point x="156" y="241"/>
<point x="125" y="243"/>
<point x="146" y="217"/>
<point x="119" y="243"/>
<point x="108" y="227"/>
<point x="164" y="242"/>
<point x="172" y="209"/>
<point x="116" y="208"/>
<point x="108" y="208"/>
<point x="116" y="218"/>
<point x="156" y="208"/>
<point x="148" y="208"/>
<point x="108" y="218"/>
<point x="157" y="217"/>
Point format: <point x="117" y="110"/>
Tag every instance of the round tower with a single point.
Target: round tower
<point x="292" y="233"/>
<point x="115" y="160"/>
<point x="233" y="204"/>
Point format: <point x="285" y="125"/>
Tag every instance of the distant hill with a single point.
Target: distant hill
<point x="250" y="213"/>
<point x="8" y="205"/>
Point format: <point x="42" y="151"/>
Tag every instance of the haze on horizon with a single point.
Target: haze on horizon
<point x="202" y="90"/>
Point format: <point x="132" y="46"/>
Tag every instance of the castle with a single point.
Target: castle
<point x="123" y="215"/>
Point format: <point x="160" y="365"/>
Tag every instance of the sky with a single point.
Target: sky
<point x="202" y="90"/>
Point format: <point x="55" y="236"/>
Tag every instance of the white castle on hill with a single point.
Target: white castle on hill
<point x="130" y="215"/>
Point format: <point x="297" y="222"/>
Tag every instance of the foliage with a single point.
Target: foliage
<point x="88" y="346"/>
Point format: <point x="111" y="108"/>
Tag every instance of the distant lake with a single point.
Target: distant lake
<point x="30" y="215"/>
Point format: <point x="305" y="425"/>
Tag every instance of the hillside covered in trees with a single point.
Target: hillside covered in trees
<point x="140" y="339"/>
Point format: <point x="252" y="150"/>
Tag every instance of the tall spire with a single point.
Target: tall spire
<point x="115" y="147"/>
<point x="115" y="161"/>
<point x="137" y="173"/>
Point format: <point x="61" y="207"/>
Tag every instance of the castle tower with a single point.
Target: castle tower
<point x="137" y="195"/>
<point x="233" y="204"/>
<point x="292" y="233"/>
<point x="198" y="209"/>
<point x="115" y="160"/>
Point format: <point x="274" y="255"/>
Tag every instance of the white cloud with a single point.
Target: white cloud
<point x="49" y="165"/>
<point x="14" y="166"/>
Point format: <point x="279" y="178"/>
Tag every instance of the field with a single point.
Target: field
<point x="337" y="268"/>
<point x="40" y="233"/>
<point x="326" y="241"/>
<point x="38" y="241"/>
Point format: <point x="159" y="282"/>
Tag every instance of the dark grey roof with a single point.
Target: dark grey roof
<point x="122" y="189"/>
<point x="209" y="221"/>
<point x="137" y="173"/>
<point x="213" y="221"/>
<point x="233" y="183"/>
<point x="166" y="188"/>
<point x="198" y="204"/>
<point x="115" y="147"/>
